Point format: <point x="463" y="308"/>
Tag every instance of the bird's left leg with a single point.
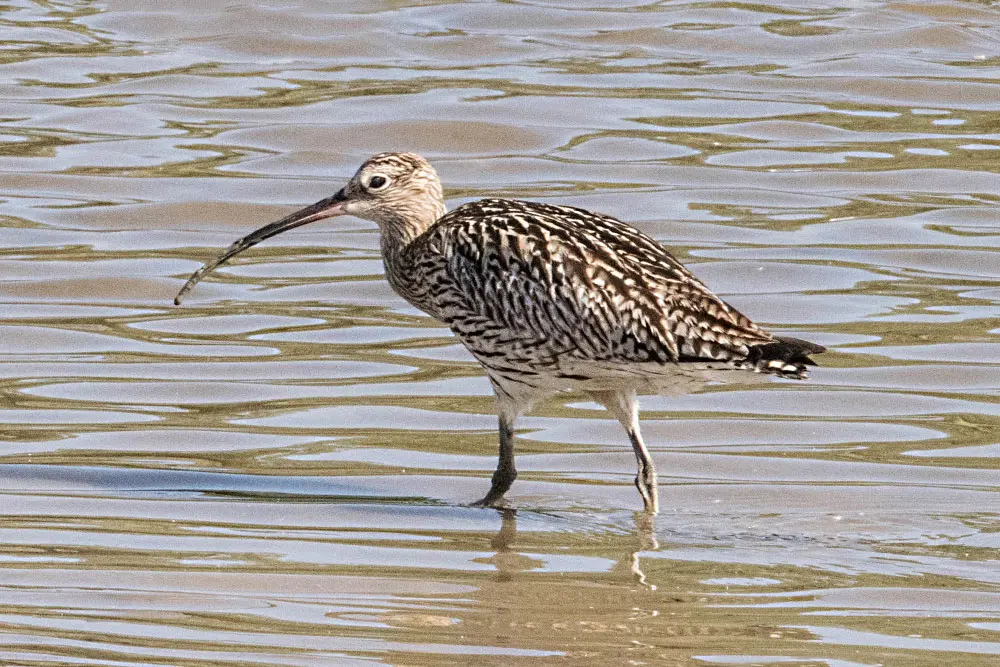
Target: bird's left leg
<point x="505" y="473"/>
<point x="508" y="410"/>
<point x="623" y="405"/>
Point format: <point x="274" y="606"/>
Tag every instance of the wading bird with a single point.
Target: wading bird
<point x="547" y="298"/>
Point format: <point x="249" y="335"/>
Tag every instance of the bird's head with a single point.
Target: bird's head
<point x="394" y="188"/>
<point x="400" y="192"/>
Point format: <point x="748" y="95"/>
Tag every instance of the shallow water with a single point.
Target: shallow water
<point x="276" y="473"/>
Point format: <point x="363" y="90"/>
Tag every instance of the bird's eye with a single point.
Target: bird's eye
<point x="377" y="182"/>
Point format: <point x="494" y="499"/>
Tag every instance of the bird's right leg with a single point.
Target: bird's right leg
<point x="625" y="408"/>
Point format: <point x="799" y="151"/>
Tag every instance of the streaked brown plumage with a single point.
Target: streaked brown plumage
<point x="548" y="298"/>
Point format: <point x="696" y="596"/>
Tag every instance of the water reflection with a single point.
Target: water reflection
<point x="508" y="562"/>
<point x="645" y="528"/>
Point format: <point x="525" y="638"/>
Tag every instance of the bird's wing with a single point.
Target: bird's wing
<point x="575" y="283"/>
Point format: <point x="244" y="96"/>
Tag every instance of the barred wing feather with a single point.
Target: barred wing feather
<point x="570" y="282"/>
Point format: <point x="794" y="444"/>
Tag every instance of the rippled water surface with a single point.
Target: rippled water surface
<point x="277" y="472"/>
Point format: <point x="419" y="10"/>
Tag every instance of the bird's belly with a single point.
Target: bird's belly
<point x="548" y="368"/>
<point x="649" y="378"/>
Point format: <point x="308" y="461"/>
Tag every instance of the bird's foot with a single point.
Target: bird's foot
<point x="503" y="478"/>
<point x="646" y="482"/>
<point x="493" y="501"/>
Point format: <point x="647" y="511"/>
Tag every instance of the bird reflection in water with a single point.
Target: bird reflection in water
<point x="509" y="562"/>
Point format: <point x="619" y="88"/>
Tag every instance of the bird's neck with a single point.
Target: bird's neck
<point x="397" y="233"/>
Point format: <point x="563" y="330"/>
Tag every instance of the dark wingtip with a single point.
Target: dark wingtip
<point x="800" y="347"/>
<point x="784" y="356"/>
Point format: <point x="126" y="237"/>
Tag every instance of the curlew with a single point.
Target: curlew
<point x="548" y="298"/>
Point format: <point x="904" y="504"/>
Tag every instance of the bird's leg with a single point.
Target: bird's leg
<point x="505" y="473"/>
<point x="623" y="406"/>
<point x="645" y="479"/>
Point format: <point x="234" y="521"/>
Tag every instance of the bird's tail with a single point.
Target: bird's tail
<point x="783" y="356"/>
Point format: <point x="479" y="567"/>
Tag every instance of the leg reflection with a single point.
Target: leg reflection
<point x="508" y="530"/>
<point x="645" y="532"/>
<point x="507" y="561"/>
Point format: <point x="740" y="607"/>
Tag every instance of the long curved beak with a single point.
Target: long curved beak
<point x="326" y="208"/>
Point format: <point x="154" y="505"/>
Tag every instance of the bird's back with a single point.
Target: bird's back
<point x="536" y="286"/>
